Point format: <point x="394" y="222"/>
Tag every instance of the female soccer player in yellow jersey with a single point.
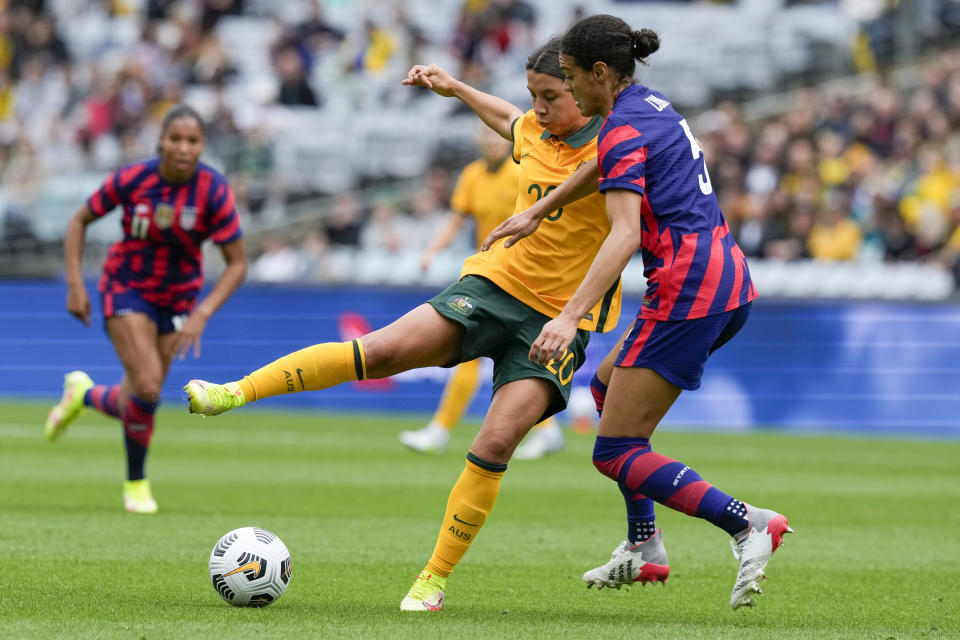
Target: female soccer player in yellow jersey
<point x="497" y="309"/>
<point x="486" y="191"/>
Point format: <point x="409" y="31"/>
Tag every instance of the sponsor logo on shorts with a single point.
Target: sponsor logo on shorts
<point x="462" y="305"/>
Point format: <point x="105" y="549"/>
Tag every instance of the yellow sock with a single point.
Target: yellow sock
<point x="471" y="499"/>
<point x="546" y="424"/>
<point x="457" y="396"/>
<point x="318" y="367"/>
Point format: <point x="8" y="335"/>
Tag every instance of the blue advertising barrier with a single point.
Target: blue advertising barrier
<point x="872" y="367"/>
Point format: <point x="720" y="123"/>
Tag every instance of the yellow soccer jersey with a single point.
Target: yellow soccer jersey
<point x="544" y="269"/>
<point x="488" y="196"/>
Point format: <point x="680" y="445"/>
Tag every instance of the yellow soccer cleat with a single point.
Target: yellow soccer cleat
<point x="75" y="386"/>
<point x="426" y="594"/>
<point x="211" y="399"/>
<point x="137" y="497"/>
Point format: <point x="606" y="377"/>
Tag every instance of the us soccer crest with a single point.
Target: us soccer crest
<point x="163" y="216"/>
<point x="188" y="218"/>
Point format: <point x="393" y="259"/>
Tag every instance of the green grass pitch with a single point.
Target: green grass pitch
<point x="875" y="554"/>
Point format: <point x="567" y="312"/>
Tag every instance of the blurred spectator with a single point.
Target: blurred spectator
<point x="293" y="89"/>
<point x="279" y="262"/>
<point x="318" y="263"/>
<point x="386" y="230"/>
<point x="427" y="213"/>
<point x="253" y="170"/>
<point x="835" y="236"/>
<point x="345" y="221"/>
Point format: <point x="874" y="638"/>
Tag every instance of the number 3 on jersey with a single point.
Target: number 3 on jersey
<point x="704" y="178"/>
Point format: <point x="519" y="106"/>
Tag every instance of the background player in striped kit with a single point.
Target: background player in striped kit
<point x="486" y="192"/>
<point x="659" y="199"/>
<point x="151" y="279"/>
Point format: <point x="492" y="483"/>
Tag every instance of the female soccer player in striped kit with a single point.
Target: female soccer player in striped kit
<point x="660" y="200"/>
<point x="496" y="309"/>
<point x="150" y="282"/>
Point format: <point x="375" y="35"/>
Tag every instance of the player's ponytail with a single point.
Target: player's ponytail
<point x="610" y="40"/>
<point x="645" y="42"/>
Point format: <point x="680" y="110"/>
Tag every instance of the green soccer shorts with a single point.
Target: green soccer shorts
<point x="502" y="328"/>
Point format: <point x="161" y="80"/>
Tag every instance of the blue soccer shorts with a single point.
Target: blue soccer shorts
<point x="678" y="349"/>
<point x="118" y="304"/>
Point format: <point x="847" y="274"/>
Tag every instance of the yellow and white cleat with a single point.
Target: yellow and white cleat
<point x="426" y="594"/>
<point x="137" y="497"/>
<point x="75" y="386"/>
<point x="211" y="399"/>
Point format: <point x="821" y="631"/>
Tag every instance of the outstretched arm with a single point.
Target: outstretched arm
<point x="622" y="242"/>
<point x="582" y="183"/>
<point x="496" y="113"/>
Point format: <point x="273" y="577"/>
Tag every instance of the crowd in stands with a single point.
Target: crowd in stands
<point x="873" y="177"/>
<point x="868" y="175"/>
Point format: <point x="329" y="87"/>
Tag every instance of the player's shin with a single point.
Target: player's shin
<point x="667" y="481"/>
<point x="470" y="501"/>
<point x="311" y="369"/>
<point x="104" y="399"/>
<point x="137" y="417"/>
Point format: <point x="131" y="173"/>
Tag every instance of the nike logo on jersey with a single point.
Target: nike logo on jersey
<point x="464" y="521"/>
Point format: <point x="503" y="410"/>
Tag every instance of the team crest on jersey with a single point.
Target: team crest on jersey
<point x="188" y="218"/>
<point x="657" y="103"/>
<point x="462" y="305"/>
<point x="163" y="216"/>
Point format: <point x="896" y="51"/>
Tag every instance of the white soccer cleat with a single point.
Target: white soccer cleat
<point x="426" y="594"/>
<point x="753" y="548"/>
<point x="643" y="562"/>
<point x="433" y="438"/>
<point x="541" y="442"/>
<point x="75" y="386"/>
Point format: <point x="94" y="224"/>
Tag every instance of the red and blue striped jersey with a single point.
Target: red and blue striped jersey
<point x="164" y="225"/>
<point x="693" y="266"/>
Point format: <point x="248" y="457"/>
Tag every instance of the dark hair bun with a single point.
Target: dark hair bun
<point x="645" y="42"/>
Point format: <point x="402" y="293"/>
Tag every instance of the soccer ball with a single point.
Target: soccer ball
<point x="250" y="567"/>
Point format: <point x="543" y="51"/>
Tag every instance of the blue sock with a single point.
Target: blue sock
<point x="641" y="519"/>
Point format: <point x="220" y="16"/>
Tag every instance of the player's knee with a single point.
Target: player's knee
<point x="609" y="467"/>
<point x="147" y="386"/>
<point x="497" y="446"/>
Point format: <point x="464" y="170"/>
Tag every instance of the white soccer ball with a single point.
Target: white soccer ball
<point x="250" y="567"/>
